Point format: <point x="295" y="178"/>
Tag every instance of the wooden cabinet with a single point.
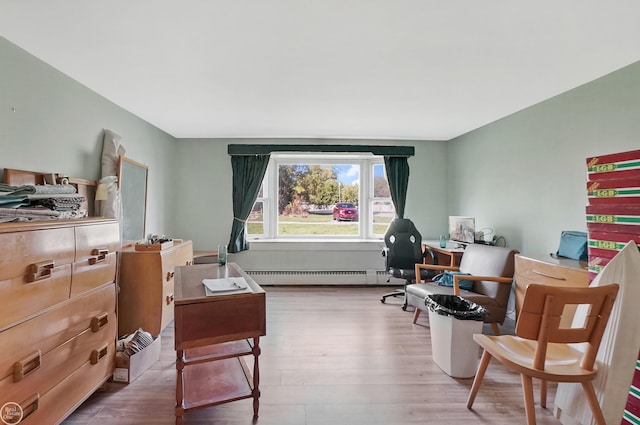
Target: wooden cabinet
<point x="146" y="296"/>
<point x="212" y="335"/>
<point x="549" y="271"/>
<point x="58" y="326"/>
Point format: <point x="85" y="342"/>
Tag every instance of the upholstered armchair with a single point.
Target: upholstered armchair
<point x="490" y="268"/>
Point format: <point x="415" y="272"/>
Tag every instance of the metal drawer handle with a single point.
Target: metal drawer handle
<point x="29" y="406"/>
<point x="99" y="322"/>
<point x="169" y="298"/>
<point x="27" y="366"/>
<point x="99" y="255"/>
<point x="549" y="275"/>
<point x="41" y="270"/>
<point x="170" y="276"/>
<point x="97" y="355"/>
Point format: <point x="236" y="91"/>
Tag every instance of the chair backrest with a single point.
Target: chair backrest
<point x="542" y="310"/>
<point x="404" y="244"/>
<point x="487" y="260"/>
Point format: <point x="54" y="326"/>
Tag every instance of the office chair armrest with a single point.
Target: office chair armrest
<point x="456" y="278"/>
<point x="431" y="267"/>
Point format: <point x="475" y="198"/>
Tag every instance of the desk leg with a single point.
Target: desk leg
<point x="256" y="377"/>
<point x="179" y="387"/>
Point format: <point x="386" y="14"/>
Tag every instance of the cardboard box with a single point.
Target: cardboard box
<point x="614" y="192"/>
<point x="596" y="264"/>
<point x="604" y="244"/>
<point x="128" y="369"/>
<point x="613" y="218"/>
<point x="614" y="166"/>
<point x="153" y="246"/>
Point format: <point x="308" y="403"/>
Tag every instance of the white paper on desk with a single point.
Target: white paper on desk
<point x="225" y="285"/>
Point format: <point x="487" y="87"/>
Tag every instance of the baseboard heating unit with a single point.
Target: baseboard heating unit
<point x="320" y="277"/>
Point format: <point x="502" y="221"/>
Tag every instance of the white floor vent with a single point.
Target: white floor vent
<point x="283" y="277"/>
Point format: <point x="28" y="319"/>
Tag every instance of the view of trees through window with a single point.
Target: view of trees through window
<point x="320" y="200"/>
<point x="314" y="187"/>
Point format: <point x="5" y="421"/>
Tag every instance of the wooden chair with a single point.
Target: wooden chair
<point x="541" y="347"/>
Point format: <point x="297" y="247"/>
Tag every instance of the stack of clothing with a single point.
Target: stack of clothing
<point x="40" y="202"/>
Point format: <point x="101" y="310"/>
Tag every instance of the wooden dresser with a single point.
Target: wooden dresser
<point x="549" y="271"/>
<point x="146" y="287"/>
<point x="58" y="314"/>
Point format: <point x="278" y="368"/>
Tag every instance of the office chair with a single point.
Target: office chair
<point x="542" y="348"/>
<point x="403" y="249"/>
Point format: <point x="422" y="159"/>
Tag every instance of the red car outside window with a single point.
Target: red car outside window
<point x="345" y="211"/>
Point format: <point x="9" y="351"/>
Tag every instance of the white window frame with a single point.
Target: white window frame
<point x="365" y="195"/>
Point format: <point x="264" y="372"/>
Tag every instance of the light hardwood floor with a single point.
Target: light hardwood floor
<point x="332" y="356"/>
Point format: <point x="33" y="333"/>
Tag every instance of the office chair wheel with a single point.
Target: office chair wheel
<point x="382" y="300"/>
<point x="404" y="307"/>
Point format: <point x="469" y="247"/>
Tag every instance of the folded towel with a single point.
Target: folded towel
<point x="11" y="201"/>
<point x="59" y="203"/>
<point x="38" y="214"/>
<point x="30" y="189"/>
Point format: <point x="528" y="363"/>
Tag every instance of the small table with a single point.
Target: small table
<point x="450" y="254"/>
<point x="212" y="334"/>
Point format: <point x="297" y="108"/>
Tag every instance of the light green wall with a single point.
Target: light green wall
<point x="205" y="179"/>
<point x="58" y="126"/>
<point x="525" y="175"/>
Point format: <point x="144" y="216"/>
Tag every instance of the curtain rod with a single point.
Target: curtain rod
<point x="268" y="149"/>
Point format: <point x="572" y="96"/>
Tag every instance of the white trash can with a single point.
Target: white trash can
<point x="452" y="344"/>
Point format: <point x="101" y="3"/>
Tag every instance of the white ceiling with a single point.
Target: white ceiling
<point x="381" y="69"/>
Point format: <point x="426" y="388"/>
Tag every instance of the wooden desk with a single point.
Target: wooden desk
<point x="549" y="271"/>
<point x="448" y="256"/>
<point x="212" y="334"/>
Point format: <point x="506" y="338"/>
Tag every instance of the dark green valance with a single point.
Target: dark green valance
<point x="405" y="151"/>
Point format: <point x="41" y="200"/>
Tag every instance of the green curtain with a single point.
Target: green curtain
<point x="397" y="169"/>
<point x="248" y="172"/>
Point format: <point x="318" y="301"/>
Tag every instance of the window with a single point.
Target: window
<point x="382" y="209"/>
<point x="255" y="222"/>
<point x="340" y="196"/>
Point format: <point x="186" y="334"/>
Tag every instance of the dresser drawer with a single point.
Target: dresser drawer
<point x="53" y="406"/>
<point x="95" y="257"/>
<point x="167" y="305"/>
<point x="89" y="274"/>
<point x="529" y="270"/>
<point x="40" y="372"/>
<point x="49" y="330"/>
<point x="22" y="297"/>
<point x="549" y="273"/>
<point x="184" y="254"/>
<point x="102" y="237"/>
<point x="20" y="250"/>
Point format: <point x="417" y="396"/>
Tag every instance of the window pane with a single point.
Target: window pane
<point x="318" y="199"/>
<point x="255" y="223"/>
<point x="382" y="209"/>
<point x="380" y="183"/>
<point x="383" y="212"/>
